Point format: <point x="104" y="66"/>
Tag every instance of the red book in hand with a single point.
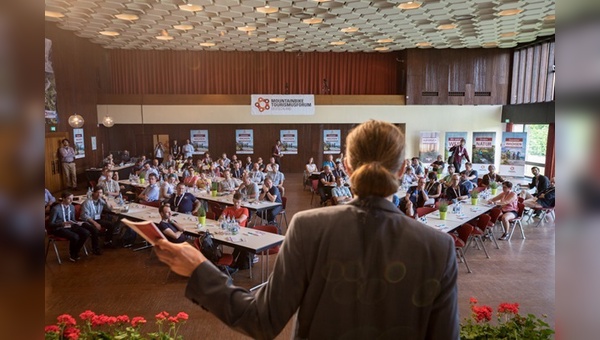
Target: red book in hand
<point x="147" y="229"/>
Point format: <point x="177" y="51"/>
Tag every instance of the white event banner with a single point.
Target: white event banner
<point x="512" y="154"/>
<point x="282" y="104"/>
<point x="78" y="143"/>
<point x="289" y="142"/>
<point x="244" y="141"/>
<point x="199" y="139"/>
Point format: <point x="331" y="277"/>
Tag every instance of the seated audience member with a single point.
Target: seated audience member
<point x="248" y="188"/>
<point x="104" y="174"/>
<point x="447" y="181"/>
<point x="170" y="170"/>
<point x="544" y="199"/>
<point x="167" y="187"/>
<point x="184" y="202"/>
<point x="417" y="167"/>
<point x="261" y="165"/>
<point x="236" y="171"/>
<point x="62" y="224"/>
<point x="310" y="168"/>
<point x="170" y="161"/>
<point x="340" y="193"/>
<point x="539" y="182"/>
<point x="326" y="181"/>
<point x="270" y="193"/>
<point x="433" y="188"/>
<point x="156" y="165"/>
<point x="110" y="186"/>
<point x="269" y="167"/>
<point x="438" y="163"/>
<point x="340" y="158"/>
<point x="91" y="215"/>
<point x="49" y="200"/>
<point x="221" y="166"/>
<point x="147" y="170"/>
<point x="471" y="173"/>
<point x="455" y="190"/>
<point x="138" y="167"/>
<point x="171" y="229"/>
<point x="236" y="211"/>
<point x="409" y="177"/>
<point x="125" y="157"/>
<point x="278" y="178"/>
<point x="188" y="171"/>
<point x="226" y="161"/>
<point x="248" y="166"/>
<point x="190" y="177"/>
<point x="464" y="181"/>
<point x="206" y="159"/>
<point x="152" y="192"/>
<point x="329" y="162"/>
<point x="507" y="200"/>
<point x="234" y="159"/>
<point x="257" y="175"/>
<point x="491" y="176"/>
<point x="203" y="182"/>
<point x="417" y="194"/>
<point x="228" y="183"/>
<point x="108" y="160"/>
<point x="339" y="171"/>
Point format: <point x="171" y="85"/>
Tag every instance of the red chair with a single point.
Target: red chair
<point x="226" y="260"/>
<point x="210" y="215"/>
<point x="478" y="232"/>
<point x="494" y="215"/>
<point x="424" y="211"/>
<point x="314" y="189"/>
<point x="282" y="215"/>
<point x="464" y="231"/>
<point x="517" y="221"/>
<point x="52" y="239"/>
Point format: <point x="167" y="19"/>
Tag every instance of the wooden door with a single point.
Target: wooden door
<point x="53" y="168"/>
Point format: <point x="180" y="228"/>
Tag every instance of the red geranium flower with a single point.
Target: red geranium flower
<point x="87" y="315"/>
<point x="72" y="333"/>
<point x="66" y="319"/>
<point x="111" y="320"/>
<point x="52" y="329"/>
<point x="482" y="313"/>
<point x="182" y="316"/>
<point x="473" y="301"/>
<point x="137" y="320"/>
<point x="99" y="320"/>
<point x="511" y="308"/>
<point x="162" y="315"/>
<point x="173" y="319"/>
<point x="122" y="319"/>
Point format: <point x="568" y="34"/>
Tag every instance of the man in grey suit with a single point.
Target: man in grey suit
<point x="360" y="270"/>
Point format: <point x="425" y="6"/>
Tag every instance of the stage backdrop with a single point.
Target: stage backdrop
<point x="244" y="141"/>
<point x="484" y="149"/>
<point x="199" y="139"/>
<point x="512" y="154"/>
<point x="429" y="147"/>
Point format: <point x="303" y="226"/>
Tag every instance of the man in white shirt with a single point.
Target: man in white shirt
<point x="226" y="161"/>
<point x="110" y="186"/>
<point x="67" y="158"/>
<point x="256" y="175"/>
<point x="152" y="191"/>
<point x="168" y="187"/>
<point x="278" y="178"/>
<point x="91" y="215"/>
<point x="249" y="188"/>
<point x="187" y="149"/>
<point x="340" y="193"/>
<point x="227" y="184"/>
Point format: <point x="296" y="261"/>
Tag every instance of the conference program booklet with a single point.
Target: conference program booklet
<point x="147" y="229"/>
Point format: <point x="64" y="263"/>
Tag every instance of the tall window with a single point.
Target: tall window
<point x="537" y="139"/>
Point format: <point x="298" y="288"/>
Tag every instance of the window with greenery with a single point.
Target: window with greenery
<point x="537" y="139"/>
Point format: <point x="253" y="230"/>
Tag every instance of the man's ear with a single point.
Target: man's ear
<point x="347" y="166"/>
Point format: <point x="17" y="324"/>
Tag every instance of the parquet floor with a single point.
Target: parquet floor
<point x="136" y="283"/>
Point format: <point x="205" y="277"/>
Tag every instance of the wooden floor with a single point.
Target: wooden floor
<point x="136" y="283"/>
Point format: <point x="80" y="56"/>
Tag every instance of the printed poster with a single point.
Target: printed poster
<point x="282" y="104"/>
<point x="512" y="154"/>
<point x="289" y="142"/>
<point x="332" y="141"/>
<point x="429" y="147"/>
<point x="78" y="143"/>
<point x="452" y="139"/>
<point x="199" y="140"/>
<point x="244" y="141"/>
<point x="484" y="150"/>
<point x="50" y="87"/>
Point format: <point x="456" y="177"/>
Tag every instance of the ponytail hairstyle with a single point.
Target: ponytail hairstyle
<point x="375" y="153"/>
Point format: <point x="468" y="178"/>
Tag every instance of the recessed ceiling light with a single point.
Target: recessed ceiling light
<point x="382" y="48"/>
<point x="337" y="43"/>
<point x="183" y="27"/>
<point x="385" y="41"/>
<point x="51" y="14"/>
<point x="410" y="5"/>
<point x="446" y="27"/>
<point x="247" y="28"/>
<point x="490" y="44"/>
<point x="267" y="9"/>
<point x="508" y="12"/>
<point x="349" y="29"/>
<point x="191" y="7"/>
<point x="164" y="36"/>
<point x="277" y="40"/>
<point x="127" y="16"/>
<point x="550" y="17"/>
<point x="508" y="34"/>
<point x="207" y="44"/>
<point x="312" y="21"/>
<point x="109" y="33"/>
<point x="424" y="44"/>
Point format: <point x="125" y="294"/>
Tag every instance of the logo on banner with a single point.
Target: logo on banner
<point x="262" y="104"/>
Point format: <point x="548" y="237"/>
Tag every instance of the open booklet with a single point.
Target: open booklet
<point x="147" y="229"/>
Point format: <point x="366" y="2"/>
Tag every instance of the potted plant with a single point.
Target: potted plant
<point x="142" y="177"/>
<point x="474" y="196"/>
<point x="443" y="207"/>
<point x="201" y="215"/>
<point x="214" y="187"/>
<point x="494" y="187"/>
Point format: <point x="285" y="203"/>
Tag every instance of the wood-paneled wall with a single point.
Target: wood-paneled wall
<point x="458" y="77"/>
<point x="533" y="74"/>
<point x="80" y="73"/>
<point x="138" y="139"/>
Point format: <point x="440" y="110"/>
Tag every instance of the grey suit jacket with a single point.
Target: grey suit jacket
<point x="357" y="271"/>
